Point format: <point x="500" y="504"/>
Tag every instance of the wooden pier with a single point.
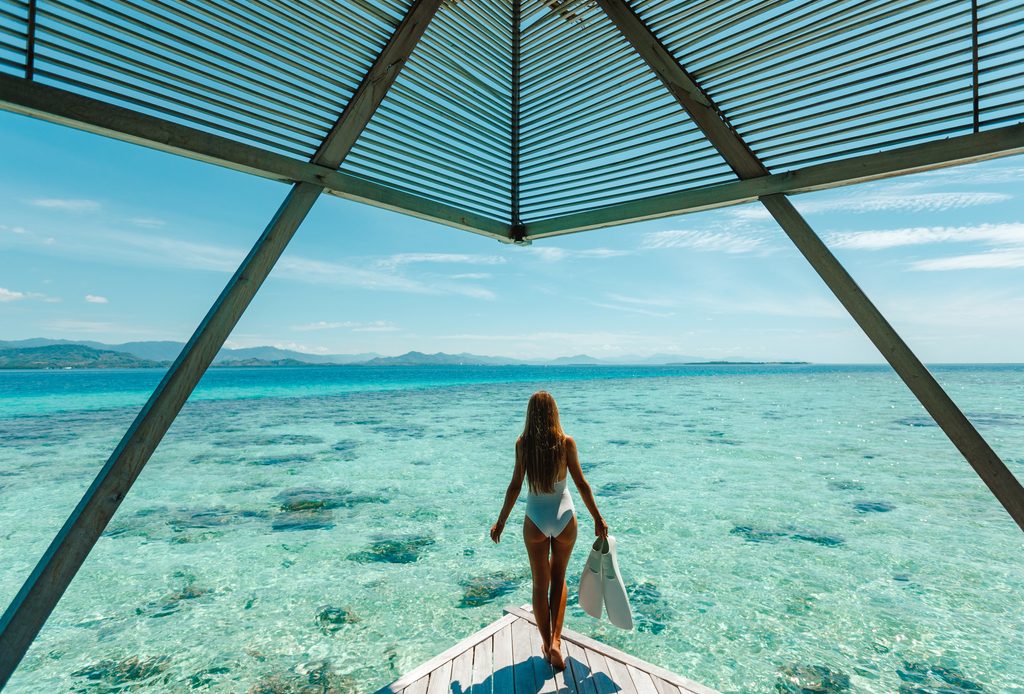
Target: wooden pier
<point x="504" y="658"/>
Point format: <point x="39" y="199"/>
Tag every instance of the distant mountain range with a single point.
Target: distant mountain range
<point x="43" y="353"/>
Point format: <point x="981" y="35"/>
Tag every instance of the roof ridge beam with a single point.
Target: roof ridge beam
<point x="713" y="123"/>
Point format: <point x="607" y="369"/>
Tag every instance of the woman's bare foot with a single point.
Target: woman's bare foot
<point x="545" y="652"/>
<point x="555" y="656"/>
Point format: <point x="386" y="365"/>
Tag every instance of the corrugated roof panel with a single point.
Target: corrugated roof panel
<point x="1000" y="62"/>
<point x="811" y="82"/>
<point x="597" y="125"/>
<point x="444" y="129"/>
<point x="260" y="72"/>
<point x="13" y="36"/>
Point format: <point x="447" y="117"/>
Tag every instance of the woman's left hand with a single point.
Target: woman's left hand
<point x="496" y="531"/>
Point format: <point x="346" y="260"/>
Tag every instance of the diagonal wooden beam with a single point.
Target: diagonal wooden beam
<point x="53" y="574"/>
<point x="708" y="117"/>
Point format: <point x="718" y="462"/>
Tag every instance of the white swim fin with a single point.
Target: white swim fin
<point x="591" y="588"/>
<point x="616" y="602"/>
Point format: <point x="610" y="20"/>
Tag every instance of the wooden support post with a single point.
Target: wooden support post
<point x="53" y="574"/>
<point x="735" y="151"/>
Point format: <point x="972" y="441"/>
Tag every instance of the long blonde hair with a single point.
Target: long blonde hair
<point x="543" y="442"/>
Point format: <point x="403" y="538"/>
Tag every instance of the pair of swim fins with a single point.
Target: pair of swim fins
<point x="601" y="584"/>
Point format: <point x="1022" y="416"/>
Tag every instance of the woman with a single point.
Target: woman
<point x="546" y="456"/>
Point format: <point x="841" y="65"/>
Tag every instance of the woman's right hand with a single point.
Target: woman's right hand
<point x="600" y="527"/>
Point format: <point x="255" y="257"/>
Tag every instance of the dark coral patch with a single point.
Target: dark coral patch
<point x="873" y="507"/>
<point x="811" y="679"/>
<point x="620" y="488"/>
<point x="845" y="485"/>
<point x="346" y="449"/>
<point x="393" y="551"/>
<point x="925" y="678"/>
<point x="309" y="519"/>
<point x="819" y="539"/>
<point x="751" y="534"/>
<point x="481" y="590"/>
<point x="283" y="459"/>
<point x="332" y="619"/>
<point x="118" y="675"/>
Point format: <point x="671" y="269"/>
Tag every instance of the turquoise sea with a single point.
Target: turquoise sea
<point x="782" y="528"/>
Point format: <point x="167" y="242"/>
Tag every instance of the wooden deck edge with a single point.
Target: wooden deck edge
<point x="440" y="659"/>
<point x="579" y="639"/>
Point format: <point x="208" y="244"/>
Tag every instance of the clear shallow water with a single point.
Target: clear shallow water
<point x="780" y="526"/>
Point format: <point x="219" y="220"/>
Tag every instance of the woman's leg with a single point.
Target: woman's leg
<point x="537" y="546"/>
<point x="561" y="548"/>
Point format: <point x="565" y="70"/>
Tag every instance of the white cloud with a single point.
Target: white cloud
<point x="471" y="276"/>
<point x="81" y="326"/>
<point x="602" y="253"/>
<point x="95" y="299"/>
<point x="634" y="309"/>
<point x="998" y="234"/>
<point x="297" y="347"/>
<point x="982" y="173"/>
<point x="372" y="327"/>
<point x="653" y="301"/>
<point x="147" y="222"/>
<point x="325" y="272"/>
<point x="12" y="230"/>
<point x="867" y="201"/>
<point x="8" y="295"/>
<point x="918" y="202"/>
<point x="1000" y="258"/>
<point x="66" y="204"/>
<point x="706" y="240"/>
<point x="547" y="254"/>
<point x="161" y="251"/>
<point x="400" y="259"/>
<point x="553" y="254"/>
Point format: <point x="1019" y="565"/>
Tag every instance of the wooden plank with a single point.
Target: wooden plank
<point x="462" y="672"/>
<point x="503" y="662"/>
<point x="93" y="115"/>
<point x="542" y="670"/>
<point x="900" y="161"/>
<point x="604" y="680"/>
<point x="577" y="670"/>
<point x="642" y="680"/>
<point x="417" y="687"/>
<point x="601" y="648"/>
<point x="440" y="678"/>
<point x="620" y="675"/>
<point x="483" y="680"/>
<point x="734" y="150"/>
<point x="450" y="654"/>
<point x="664" y="687"/>
<point x="525" y="679"/>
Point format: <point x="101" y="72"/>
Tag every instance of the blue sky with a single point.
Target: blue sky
<point x="107" y="241"/>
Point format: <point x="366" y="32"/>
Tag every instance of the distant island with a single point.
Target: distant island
<point x="43" y="353"/>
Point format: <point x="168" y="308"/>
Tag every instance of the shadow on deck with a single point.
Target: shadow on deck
<point x="504" y="658"/>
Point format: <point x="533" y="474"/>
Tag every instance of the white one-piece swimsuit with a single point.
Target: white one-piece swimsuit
<point x="551" y="512"/>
